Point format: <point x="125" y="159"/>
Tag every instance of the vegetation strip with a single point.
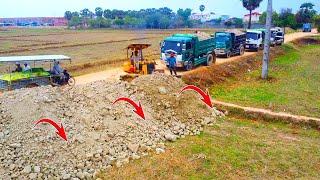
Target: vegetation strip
<point x="263" y="114"/>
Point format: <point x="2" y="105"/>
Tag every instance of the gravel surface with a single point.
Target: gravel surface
<point x="100" y="135"/>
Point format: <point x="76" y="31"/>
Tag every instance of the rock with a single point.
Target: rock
<point x="33" y="175"/>
<point x="135" y="157"/>
<point x="160" y="151"/>
<point x="170" y="137"/>
<point x="133" y="147"/>
<point x="27" y="169"/>
<point x="80" y="175"/>
<point x="66" y="176"/>
<point x="15" y="145"/>
<point x="37" y="169"/>
<point x="163" y="90"/>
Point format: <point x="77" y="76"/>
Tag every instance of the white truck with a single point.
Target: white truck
<point x="255" y="40"/>
<point x="278" y="35"/>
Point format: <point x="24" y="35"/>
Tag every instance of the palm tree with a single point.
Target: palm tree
<point x="251" y="5"/>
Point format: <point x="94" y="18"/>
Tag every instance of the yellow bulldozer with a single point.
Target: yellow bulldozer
<point x="137" y="64"/>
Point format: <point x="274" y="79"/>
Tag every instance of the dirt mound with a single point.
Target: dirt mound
<point x="208" y="76"/>
<point x="100" y="134"/>
<point x="307" y="41"/>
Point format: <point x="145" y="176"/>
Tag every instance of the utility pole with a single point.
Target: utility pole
<point x="266" y="52"/>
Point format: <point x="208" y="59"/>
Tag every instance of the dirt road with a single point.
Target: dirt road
<point x="115" y="73"/>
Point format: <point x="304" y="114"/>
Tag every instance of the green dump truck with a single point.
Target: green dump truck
<point x="230" y="43"/>
<point x="191" y="50"/>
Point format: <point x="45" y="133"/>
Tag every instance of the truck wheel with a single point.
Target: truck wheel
<point x="228" y="55"/>
<point x="210" y="60"/>
<point x="241" y="50"/>
<point x="189" y="66"/>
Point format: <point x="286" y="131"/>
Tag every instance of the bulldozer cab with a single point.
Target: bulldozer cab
<point x="136" y="63"/>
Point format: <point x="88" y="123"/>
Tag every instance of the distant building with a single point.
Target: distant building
<point x="35" y="21"/>
<point x="254" y="17"/>
<point x="203" y="17"/>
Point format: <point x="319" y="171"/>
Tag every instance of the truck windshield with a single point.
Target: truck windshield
<point x="251" y="35"/>
<point x="279" y="34"/>
<point x="172" y="45"/>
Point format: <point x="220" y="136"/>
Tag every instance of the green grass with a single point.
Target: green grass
<point x="233" y="148"/>
<point x="293" y="85"/>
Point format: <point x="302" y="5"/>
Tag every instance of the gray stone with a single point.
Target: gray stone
<point x="33" y="175"/>
<point x="163" y="90"/>
<point x="37" y="169"/>
<point x="133" y="147"/>
<point x="159" y="150"/>
<point x="27" y="169"/>
<point x="170" y="137"/>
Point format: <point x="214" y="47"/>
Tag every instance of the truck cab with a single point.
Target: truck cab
<point x="229" y="43"/>
<point x="190" y="50"/>
<point x="254" y="40"/>
<point x="307" y="27"/>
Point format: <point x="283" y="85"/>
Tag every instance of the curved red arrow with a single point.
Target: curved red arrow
<point x="138" y="111"/>
<point x="205" y="95"/>
<point x="60" y="129"/>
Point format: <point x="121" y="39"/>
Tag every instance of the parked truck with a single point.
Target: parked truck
<point x="191" y="50"/>
<point x="306" y="27"/>
<point x="254" y="40"/>
<point x="230" y="43"/>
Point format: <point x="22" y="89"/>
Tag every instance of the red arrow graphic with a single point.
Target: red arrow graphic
<point x="205" y="95"/>
<point x="138" y="111"/>
<point x="60" y="129"/>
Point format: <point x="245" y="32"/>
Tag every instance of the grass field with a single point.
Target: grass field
<point x="293" y="85"/>
<point x="233" y="149"/>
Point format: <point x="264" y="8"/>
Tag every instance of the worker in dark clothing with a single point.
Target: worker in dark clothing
<point x="172" y="61"/>
<point x="18" y="68"/>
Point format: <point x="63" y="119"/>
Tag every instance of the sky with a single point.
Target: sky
<point x="45" y="8"/>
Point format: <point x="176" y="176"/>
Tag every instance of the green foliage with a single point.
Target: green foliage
<point x="202" y="8"/>
<point x="238" y="22"/>
<point x="99" y="12"/>
<point x="275" y="18"/>
<point x="306" y="13"/>
<point x="75" y="21"/>
<point x="287" y="19"/>
<point x="68" y="15"/>
<point x="162" y="18"/>
<point x="316" y="20"/>
<point x="100" y="23"/>
<point x="250" y="5"/>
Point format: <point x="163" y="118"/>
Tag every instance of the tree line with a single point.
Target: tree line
<point x="152" y="18"/>
<point x="286" y="17"/>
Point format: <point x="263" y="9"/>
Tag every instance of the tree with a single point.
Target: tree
<point x="306" y="13"/>
<point x="107" y="14"/>
<point x="85" y="14"/>
<point x="287" y="19"/>
<point x="228" y="23"/>
<point x="251" y="5"/>
<point x="75" y="14"/>
<point x="119" y="22"/>
<point x="75" y="21"/>
<point x="237" y="22"/>
<point x="99" y="12"/>
<point x="275" y="18"/>
<point x="68" y="15"/>
<point x="316" y="20"/>
<point x="183" y="16"/>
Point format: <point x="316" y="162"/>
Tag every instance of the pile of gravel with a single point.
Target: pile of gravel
<point x="100" y="135"/>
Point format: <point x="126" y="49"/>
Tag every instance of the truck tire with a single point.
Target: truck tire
<point x="189" y="66"/>
<point x="241" y="50"/>
<point x="228" y="54"/>
<point x="210" y="60"/>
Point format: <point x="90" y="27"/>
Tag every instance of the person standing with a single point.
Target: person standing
<point x="26" y="67"/>
<point x="172" y="61"/>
